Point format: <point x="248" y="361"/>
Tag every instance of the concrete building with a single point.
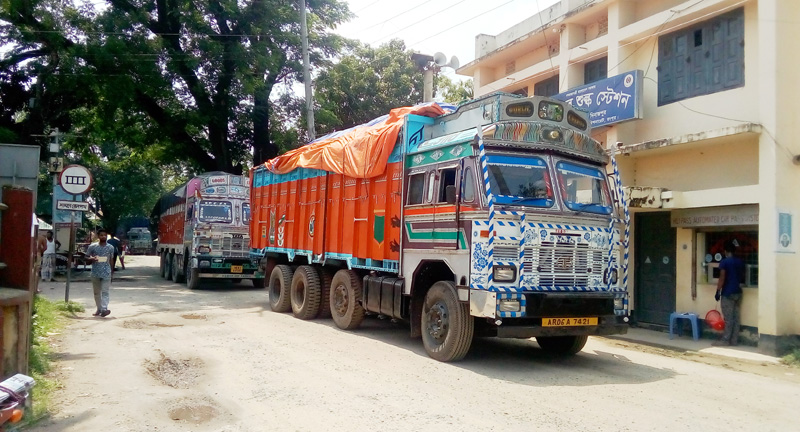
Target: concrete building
<point x="706" y="147"/>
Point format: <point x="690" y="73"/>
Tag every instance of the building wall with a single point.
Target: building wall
<point x="729" y="148"/>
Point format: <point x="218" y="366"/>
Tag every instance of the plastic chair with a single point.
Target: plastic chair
<point x="692" y="317"/>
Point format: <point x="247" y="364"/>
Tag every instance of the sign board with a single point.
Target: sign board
<point x="72" y="205"/>
<point x="76" y="179"/>
<point x="611" y="100"/>
<point x="785" y="240"/>
<point x="64" y="216"/>
<point x="739" y="215"/>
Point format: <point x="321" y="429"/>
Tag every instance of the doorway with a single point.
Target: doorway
<point x="655" y="268"/>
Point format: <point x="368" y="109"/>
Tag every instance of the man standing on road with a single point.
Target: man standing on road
<point x="113" y="241"/>
<point x="731" y="275"/>
<point x="100" y="255"/>
<point x="49" y="257"/>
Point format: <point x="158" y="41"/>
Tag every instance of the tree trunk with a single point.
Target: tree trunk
<point x="263" y="149"/>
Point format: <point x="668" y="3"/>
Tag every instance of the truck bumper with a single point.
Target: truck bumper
<point x="523" y="329"/>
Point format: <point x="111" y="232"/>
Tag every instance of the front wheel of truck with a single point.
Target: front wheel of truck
<point x="345" y="300"/>
<point x="280" y="282"/>
<point x="562" y="345"/>
<point x="192" y="277"/>
<point x="447" y="327"/>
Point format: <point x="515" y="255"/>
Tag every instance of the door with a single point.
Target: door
<point x="655" y="268"/>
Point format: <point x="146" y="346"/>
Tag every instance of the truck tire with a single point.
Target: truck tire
<point x="178" y="271"/>
<point x="306" y="293"/>
<point x="280" y="282"/>
<point x="168" y="268"/>
<point x="162" y="271"/>
<point x="192" y="278"/>
<point x="447" y="327"/>
<point x="562" y="345"/>
<point x="326" y="280"/>
<point x="345" y="300"/>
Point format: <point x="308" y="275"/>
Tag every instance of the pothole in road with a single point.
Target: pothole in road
<point x="176" y="373"/>
<point x="139" y="324"/>
<point x="194" y="411"/>
<point x="194" y="316"/>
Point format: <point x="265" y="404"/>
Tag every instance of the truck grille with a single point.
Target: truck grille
<point x="559" y="264"/>
<point x="505" y="253"/>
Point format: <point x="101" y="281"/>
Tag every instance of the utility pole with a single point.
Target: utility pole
<point x="307" y="72"/>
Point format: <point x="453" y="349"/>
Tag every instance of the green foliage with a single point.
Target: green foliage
<point x="366" y="83"/>
<point x="190" y="82"/>
<point x="47" y="320"/>
<point x="455" y="92"/>
<point x="793" y="358"/>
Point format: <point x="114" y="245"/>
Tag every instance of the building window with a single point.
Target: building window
<point x="713" y="245"/>
<point x="548" y="87"/>
<point x="595" y="70"/>
<point x="703" y="59"/>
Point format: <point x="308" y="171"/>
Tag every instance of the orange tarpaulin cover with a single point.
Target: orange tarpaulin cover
<point x="360" y="152"/>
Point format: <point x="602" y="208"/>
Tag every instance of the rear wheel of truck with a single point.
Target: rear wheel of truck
<point x="345" y="300"/>
<point x="177" y="272"/>
<point x="306" y="293"/>
<point x="280" y="282"/>
<point x="325" y="280"/>
<point x="162" y="271"/>
<point x="562" y="345"/>
<point x="192" y="277"/>
<point x="447" y="327"/>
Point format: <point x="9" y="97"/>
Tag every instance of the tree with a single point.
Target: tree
<point x="193" y="79"/>
<point x="455" y="92"/>
<point x="364" y="84"/>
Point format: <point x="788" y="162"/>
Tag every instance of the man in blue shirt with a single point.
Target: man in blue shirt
<point x="731" y="276"/>
<point x="101" y="255"/>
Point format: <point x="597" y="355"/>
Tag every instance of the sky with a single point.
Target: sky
<point x="426" y="26"/>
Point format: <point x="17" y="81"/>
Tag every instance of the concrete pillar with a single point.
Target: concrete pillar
<point x="778" y="301"/>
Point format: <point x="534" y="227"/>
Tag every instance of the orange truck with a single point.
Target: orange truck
<point x="494" y="218"/>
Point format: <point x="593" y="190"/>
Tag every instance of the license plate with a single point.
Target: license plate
<point x="236" y="269"/>
<point x="569" y="322"/>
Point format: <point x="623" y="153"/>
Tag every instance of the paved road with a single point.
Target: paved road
<point x="217" y="359"/>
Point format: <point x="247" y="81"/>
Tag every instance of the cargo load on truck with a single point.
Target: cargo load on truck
<point x="203" y="230"/>
<point x="494" y="219"/>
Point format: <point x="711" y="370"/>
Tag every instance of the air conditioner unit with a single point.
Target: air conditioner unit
<point x="751" y="275"/>
<point x="712" y="271"/>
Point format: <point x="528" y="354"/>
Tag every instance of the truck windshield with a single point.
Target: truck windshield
<point x="246" y="213"/>
<point x="215" y="211"/>
<point x="520" y="181"/>
<point x="583" y="189"/>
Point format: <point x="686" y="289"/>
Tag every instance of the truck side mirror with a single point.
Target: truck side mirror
<point x="450" y="194"/>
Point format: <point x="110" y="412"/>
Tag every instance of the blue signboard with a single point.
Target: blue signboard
<point x="608" y="101"/>
<point x="62" y="217"/>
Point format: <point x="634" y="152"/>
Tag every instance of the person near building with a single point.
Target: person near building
<point x="48" y="249"/>
<point x="123" y="253"/>
<point x="101" y="254"/>
<point x="729" y="293"/>
<point x="113" y="241"/>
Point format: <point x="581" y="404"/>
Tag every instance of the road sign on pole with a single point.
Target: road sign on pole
<point x="76" y="179"/>
<point x="72" y="205"/>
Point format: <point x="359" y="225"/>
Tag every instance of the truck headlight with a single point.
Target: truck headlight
<point x="619" y="303"/>
<point x="504" y="273"/>
<point x="509" y="305"/>
<point x="205" y="263"/>
<point x="204" y="249"/>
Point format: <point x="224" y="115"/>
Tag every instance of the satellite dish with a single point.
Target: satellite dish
<point x="440" y="59"/>
<point x="454" y="63"/>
